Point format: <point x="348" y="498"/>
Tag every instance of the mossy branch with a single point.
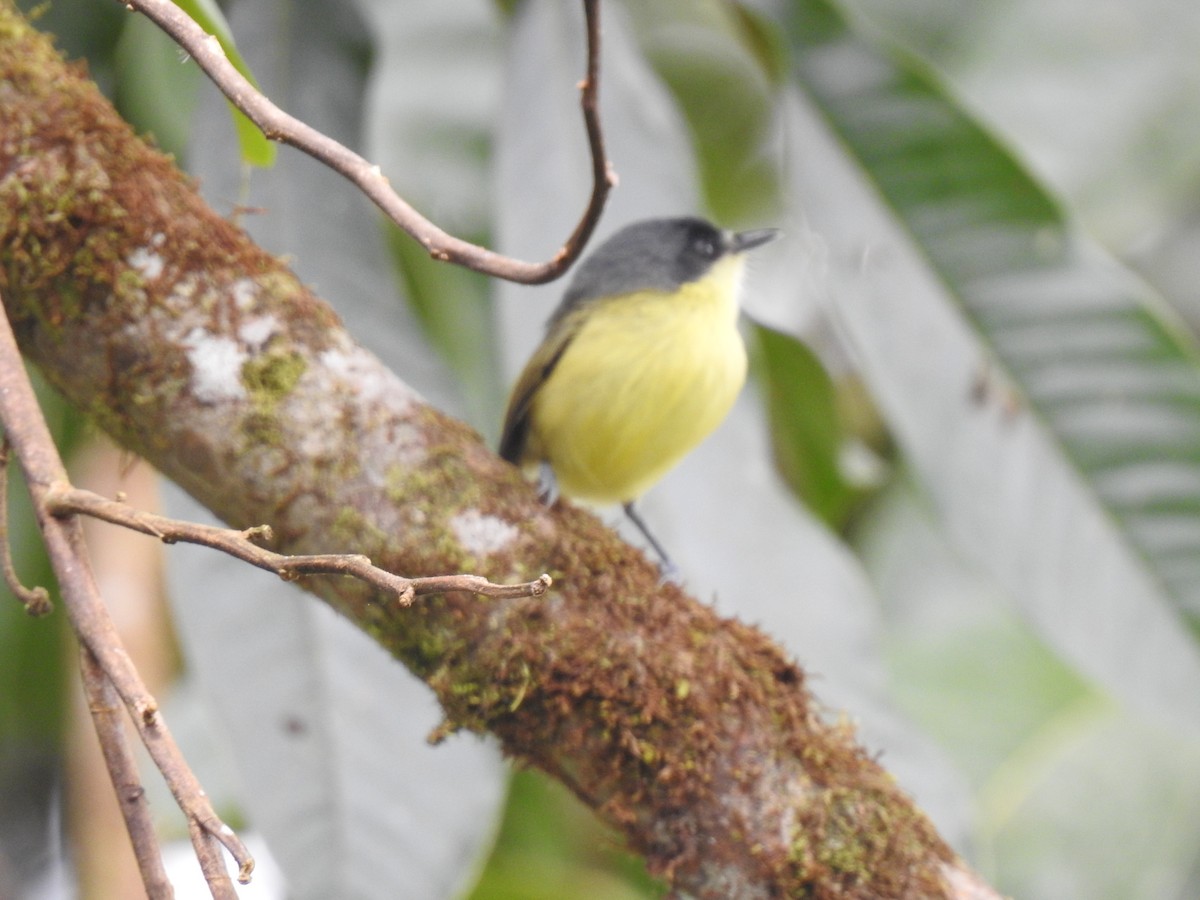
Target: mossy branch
<point x="695" y="735"/>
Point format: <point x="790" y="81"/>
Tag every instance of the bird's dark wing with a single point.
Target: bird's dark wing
<point x="515" y="435"/>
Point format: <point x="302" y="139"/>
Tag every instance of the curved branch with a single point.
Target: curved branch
<point x="36" y="600"/>
<point x="64" y="500"/>
<point x="278" y="125"/>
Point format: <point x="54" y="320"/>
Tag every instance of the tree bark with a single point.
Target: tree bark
<point x="694" y="735"/>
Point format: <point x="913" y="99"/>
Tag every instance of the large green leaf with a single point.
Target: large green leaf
<point x="1126" y="74"/>
<point x="256" y="149"/>
<point x="718" y="67"/>
<point x="1050" y="404"/>
<point x="33" y="677"/>
<point x="154" y="92"/>
<point x="430" y="108"/>
<point x="806" y="431"/>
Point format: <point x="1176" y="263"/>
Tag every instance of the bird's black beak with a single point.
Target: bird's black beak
<point x="742" y="241"/>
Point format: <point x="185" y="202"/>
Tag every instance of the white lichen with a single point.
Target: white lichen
<point x="255" y="332"/>
<point x="216" y="366"/>
<point x="244" y="292"/>
<point x="368" y="376"/>
<point x="480" y="534"/>
<point x="146" y="263"/>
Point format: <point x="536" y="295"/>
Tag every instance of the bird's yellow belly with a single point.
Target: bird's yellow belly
<point x="653" y="387"/>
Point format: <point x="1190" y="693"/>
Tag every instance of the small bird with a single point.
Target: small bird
<point x="641" y="360"/>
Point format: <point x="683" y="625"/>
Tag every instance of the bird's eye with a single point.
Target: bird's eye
<point x="705" y="247"/>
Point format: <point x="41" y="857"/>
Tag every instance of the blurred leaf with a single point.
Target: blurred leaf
<point x="82" y="30"/>
<point x="1050" y="406"/>
<point x="550" y="846"/>
<point x="256" y="149"/>
<point x="719" y="70"/>
<point x="454" y="306"/>
<point x="1101" y="96"/>
<point x="328" y="731"/>
<point x="946" y="676"/>
<point x="1119" y="797"/>
<point x="329" y="735"/>
<point x="763" y="38"/>
<point x="156" y="85"/>
<point x="1079" y="799"/>
<point x="931" y="26"/>
<point x="806" y="432"/>
<point x="965" y="666"/>
<point x="32" y="657"/>
<point x="431" y="106"/>
<point x="37" y="664"/>
<point x="431" y="102"/>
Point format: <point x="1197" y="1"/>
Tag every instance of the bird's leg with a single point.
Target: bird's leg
<point x="547" y="484"/>
<point x="666" y="568"/>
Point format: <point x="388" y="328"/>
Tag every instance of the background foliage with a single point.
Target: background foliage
<point x="969" y="502"/>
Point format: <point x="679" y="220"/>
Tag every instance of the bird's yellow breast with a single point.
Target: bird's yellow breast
<point x="644" y="380"/>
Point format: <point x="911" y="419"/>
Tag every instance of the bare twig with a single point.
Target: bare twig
<point x="211" y="863"/>
<point x="36" y="599"/>
<point x="64" y="500"/>
<point x="104" y="706"/>
<point x="26" y="429"/>
<point x="278" y="125"/>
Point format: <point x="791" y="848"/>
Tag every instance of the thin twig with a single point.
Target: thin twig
<point x="211" y="864"/>
<point x="37" y="599"/>
<point x="62" y="499"/>
<point x="104" y="705"/>
<point x="278" y="125"/>
<point x="26" y="429"/>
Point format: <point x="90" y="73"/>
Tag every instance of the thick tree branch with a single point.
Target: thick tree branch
<point x="694" y="735"/>
<point x="280" y="126"/>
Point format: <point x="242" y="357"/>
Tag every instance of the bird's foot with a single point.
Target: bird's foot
<point x="547" y="484"/>
<point x="669" y="573"/>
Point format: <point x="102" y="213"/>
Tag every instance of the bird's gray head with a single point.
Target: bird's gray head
<point x="656" y="255"/>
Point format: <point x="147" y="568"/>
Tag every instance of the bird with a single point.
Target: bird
<point x="640" y="361"/>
